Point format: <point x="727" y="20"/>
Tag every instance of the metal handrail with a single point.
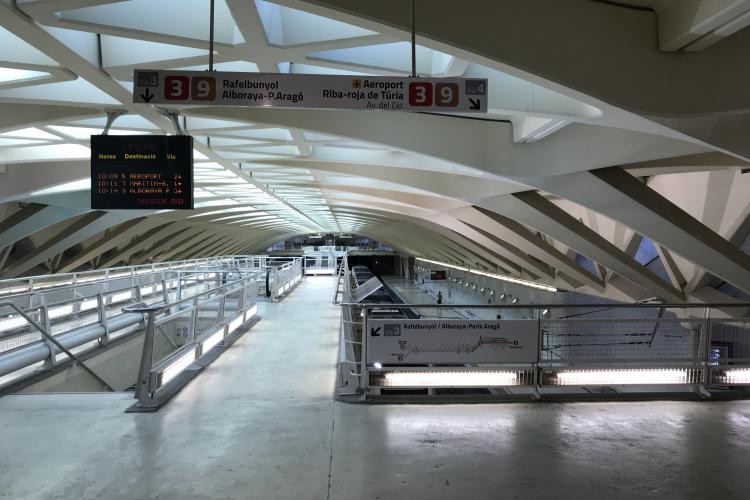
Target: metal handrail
<point x="57" y="344"/>
<point x="188" y="273"/>
<point x="693" y="351"/>
<point x="136" y="308"/>
<point x="152" y="267"/>
<point x="148" y="371"/>
<point x="183" y="279"/>
<point x="686" y="305"/>
<point x="104" y="274"/>
<point x="29" y="352"/>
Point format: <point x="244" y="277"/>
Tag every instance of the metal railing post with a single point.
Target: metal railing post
<point x="364" y="380"/>
<point x="540" y="343"/>
<point x="194" y="319"/>
<point x="142" y="390"/>
<point x="241" y="298"/>
<point x="707" y="348"/>
<point x="102" y="311"/>
<point x="222" y="304"/>
<point x="51" y="361"/>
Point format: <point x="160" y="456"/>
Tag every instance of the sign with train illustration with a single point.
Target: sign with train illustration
<point x="452" y="341"/>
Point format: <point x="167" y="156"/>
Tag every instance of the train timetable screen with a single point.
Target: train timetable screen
<point x="141" y="172"/>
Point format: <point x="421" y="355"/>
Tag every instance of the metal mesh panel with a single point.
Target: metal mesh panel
<point x="232" y="303"/>
<point x="171" y="334"/>
<point x="251" y="293"/>
<point x="622" y="339"/>
<point x="15" y="330"/>
<point x="208" y="315"/>
<point x="73" y="320"/>
<point x="730" y="341"/>
<point x="72" y="300"/>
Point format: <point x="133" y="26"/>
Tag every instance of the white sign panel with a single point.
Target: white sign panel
<point x="452" y="341"/>
<point x="464" y="95"/>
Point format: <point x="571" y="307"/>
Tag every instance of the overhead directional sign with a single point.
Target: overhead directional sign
<point x="462" y="95"/>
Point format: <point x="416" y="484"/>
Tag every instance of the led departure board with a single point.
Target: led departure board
<point x="141" y="172"/>
<point x="438" y="275"/>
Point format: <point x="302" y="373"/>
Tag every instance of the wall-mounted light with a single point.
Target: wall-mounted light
<point x="737" y="376"/>
<point x="485" y="378"/>
<point x="177" y="366"/>
<point x="624" y="376"/>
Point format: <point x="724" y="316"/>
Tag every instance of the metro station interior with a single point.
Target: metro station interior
<point x="520" y="270"/>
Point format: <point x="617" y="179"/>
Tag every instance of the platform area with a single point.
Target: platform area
<point x="261" y="423"/>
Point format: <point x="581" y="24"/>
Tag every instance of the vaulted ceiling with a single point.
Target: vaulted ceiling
<point x="612" y="159"/>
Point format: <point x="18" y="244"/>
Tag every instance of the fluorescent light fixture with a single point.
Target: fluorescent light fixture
<point x="57" y="312"/>
<point x="118" y="297"/>
<point x="377" y="365"/>
<point x="235" y="323"/>
<point x="177" y="366"/>
<point x="89" y="304"/>
<point x="212" y="340"/>
<point x="12" y="322"/>
<point x="737" y="376"/>
<point x="484" y="378"/>
<point x="500" y="277"/>
<point x="147" y="289"/>
<point x="623" y="377"/>
<point x="251" y="312"/>
<point x="68" y="187"/>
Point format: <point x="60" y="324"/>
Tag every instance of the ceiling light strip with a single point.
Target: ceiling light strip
<point x="500" y="277"/>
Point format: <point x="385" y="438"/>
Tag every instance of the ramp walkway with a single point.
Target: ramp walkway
<point x="261" y="423"/>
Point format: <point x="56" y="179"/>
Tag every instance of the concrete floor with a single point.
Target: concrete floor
<point x="260" y="423"/>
